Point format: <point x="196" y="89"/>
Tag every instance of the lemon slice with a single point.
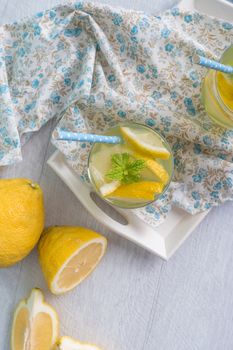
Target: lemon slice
<point x="108" y="188"/>
<point x="145" y="142"/>
<point x="97" y="175"/>
<point x="68" y="255"/>
<point x="68" y="343"/>
<point x="105" y="188"/>
<point x="35" y="324"/>
<point x="158" y="170"/>
<point x="155" y="167"/>
<point x="144" y="190"/>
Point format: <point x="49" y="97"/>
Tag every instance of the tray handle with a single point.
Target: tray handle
<point x="135" y="229"/>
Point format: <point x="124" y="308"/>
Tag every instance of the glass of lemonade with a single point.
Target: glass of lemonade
<point x="217" y="93"/>
<point x="135" y="172"/>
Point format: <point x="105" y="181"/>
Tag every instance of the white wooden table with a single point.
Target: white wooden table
<point x="134" y="300"/>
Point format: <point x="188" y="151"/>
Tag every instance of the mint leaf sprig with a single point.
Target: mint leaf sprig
<point x="125" y="169"/>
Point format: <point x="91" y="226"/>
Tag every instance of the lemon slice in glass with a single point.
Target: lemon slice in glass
<point x="145" y="142"/>
<point x="144" y="190"/>
<point x="109" y="187"/>
<point x="154" y="166"/>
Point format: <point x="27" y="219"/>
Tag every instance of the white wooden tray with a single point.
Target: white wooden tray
<point x="222" y="9"/>
<point x="165" y="239"/>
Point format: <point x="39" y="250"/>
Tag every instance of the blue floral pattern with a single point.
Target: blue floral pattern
<point x="92" y="66"/>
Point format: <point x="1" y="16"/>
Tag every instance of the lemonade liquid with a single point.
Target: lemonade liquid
<point x="217" y="93"/>
<point x="100" y="163"/>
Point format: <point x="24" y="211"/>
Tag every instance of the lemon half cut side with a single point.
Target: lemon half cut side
<point x="68" y="254"/>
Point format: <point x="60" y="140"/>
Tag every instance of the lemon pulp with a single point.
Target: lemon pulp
<point x="68" y="255"/>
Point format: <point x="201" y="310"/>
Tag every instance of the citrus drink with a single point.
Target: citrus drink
<point x="135" y="172"/>
<point x="217" y="93"/>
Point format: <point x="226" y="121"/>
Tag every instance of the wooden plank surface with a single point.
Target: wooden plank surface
<point x="134" y="300"/>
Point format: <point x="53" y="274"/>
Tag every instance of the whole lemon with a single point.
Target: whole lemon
<point x="21" y="219"/>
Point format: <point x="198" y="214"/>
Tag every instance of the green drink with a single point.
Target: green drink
<point x="134" y="173"/>
<point x="217" y="93"/>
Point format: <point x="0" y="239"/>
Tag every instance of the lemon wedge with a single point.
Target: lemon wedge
<point x="35" y="324"/>
<point x="68" y="343"/>
<point x="144" y="190"/>
<point x="97" y="175"/>
<point x="158" y="170"/>
<point x="108" y="188"/>
<point x="68" y="255"/>
<point x="145" y="142"/>
<point x="155" y="167"/>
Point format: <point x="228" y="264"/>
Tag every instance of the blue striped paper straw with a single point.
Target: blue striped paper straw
<point x="203" y="61"/>
<point x="77" y="136"/>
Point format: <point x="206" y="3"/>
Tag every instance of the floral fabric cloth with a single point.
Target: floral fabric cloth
<point x="93" y="66"/>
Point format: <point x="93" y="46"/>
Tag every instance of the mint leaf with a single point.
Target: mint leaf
<point x="125" y="169"/>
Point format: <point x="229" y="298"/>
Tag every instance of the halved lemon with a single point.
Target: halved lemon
<point x="145" y="142"/>
<point x="68" y="255"/>
<point x="35" y="324"/>
<point x="108" y="188"/>
<point x="68" y="343"/>
<point x="144" y="190"/>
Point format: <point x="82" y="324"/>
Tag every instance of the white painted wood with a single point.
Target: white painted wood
<point x="163" y="240"/>
<point x="134" y="300"/>
<point x="224" y="8"/>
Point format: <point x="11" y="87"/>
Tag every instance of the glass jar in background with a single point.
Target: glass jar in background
<point x="217" y="93"/>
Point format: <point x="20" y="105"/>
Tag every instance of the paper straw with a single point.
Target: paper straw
<point x="74" y="136"/>
<point x="203" y="61"/>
